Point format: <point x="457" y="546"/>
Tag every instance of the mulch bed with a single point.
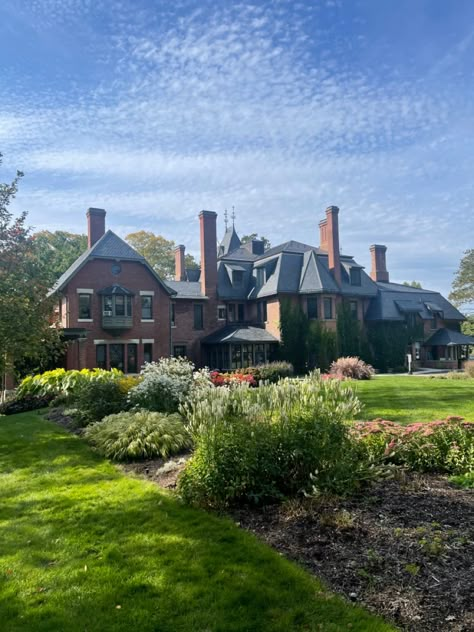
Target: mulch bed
<point x="404" y="550"/>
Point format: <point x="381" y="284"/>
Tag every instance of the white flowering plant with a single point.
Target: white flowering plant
<point x="166" y="384"/>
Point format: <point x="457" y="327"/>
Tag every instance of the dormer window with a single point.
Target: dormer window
<point x="260" y="277"/>
<point x="356" y="277"/>
<point x="237" y="278"/>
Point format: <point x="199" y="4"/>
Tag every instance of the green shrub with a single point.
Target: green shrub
<point x="351" y="368"/>
<point x="257" y="445"/>
<point x="24" y="404"/>
<point x="464" y="480"/>
<point x="138" y="435"/>
<point x="96" y="399"/>
<point x="271" y="372"/>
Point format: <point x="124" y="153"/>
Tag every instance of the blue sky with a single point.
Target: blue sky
<point x="156" y="110"/>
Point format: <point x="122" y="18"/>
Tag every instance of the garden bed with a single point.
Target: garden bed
<point x="405" y="549"/>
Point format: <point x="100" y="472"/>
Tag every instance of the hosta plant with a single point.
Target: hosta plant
<point x="60" y="381"/>
<point x="138" y="435"/>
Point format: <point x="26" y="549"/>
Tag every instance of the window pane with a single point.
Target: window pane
<point x="247" y="355"/>
<point x="221" y="312"/>
<point x="84" y="306"/>
<point x="264" y="308"/>
<point x="260" y="354"/>
<point x="312" y="307"/>
<point x="173" y="315"/>
<point x="101" y="356"/>
<point x="147" y="307"/>
<point x="132" y="358"/>
<point x="179" y="351"/>
<point x="198" y="316"/>
<point x="116" y="356"/>
<point x="148" y="352"/>
<point x="328" y="308"/>
<point x="355" y="276"/>
<point x="119" y="305"/>
<point x="107" y="306"/>
<point x="353" y="306"/>
<point x="128" y="303"/>
<point x="240" y="312"/>
<point x="231" y="312"/>
<point x="237" y="278"/>
<point x="236" y="352"/>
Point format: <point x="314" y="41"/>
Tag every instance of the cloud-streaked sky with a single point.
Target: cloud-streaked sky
<point x="155" y="110"/>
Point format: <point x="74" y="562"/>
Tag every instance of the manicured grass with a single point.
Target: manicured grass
<point x="409" y="399"/>
<point x="84" y="547"/>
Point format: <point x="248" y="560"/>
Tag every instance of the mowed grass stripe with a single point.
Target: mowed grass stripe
<point x="409" y="399"/>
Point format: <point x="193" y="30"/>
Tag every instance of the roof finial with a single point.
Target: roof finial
<point x="226" y="219"/>
<point x="233" y="217"/>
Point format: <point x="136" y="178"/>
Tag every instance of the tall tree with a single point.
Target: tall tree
<point x="463" y="284"/>
<point x="58" y="250"/>
<point x="416" y="284"/>
<point x="24" y="309"/>
<point x="158" y="251"/>
<point x="246" y="238"/>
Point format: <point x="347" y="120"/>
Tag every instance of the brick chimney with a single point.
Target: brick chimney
<point x="323" y="234"/>
<point x="208" y="221"/>
<point x="332" y="231"/>
<point x="179" y="263"/>
<point x="95" y="225"/>
<point x="379" y="264"/>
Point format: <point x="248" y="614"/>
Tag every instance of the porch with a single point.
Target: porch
<point x="238" y="346"/>
<point x="447" y="349"/>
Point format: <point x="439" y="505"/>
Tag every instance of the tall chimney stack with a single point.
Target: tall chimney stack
<point x="208" y="221"/>
<point x="379" y="264"/>
<point x="332" y="228"/>
<point x="323" y="234"/>
<point x="95" y="225"/>
<point x="179" y="263"/>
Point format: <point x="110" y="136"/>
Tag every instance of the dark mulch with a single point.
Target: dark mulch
<point x="404" y="550"/>
<point x="164" y="473"/>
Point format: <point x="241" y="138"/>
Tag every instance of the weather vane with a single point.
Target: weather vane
<point x="233" y="217"/>
<point x="226" y="219"/>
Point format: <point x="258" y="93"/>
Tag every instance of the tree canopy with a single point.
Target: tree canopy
<point x="158" y="251"/>
<point x="24" y="309"/>
<point x="416" y="284"/>
<point x="463" y="284"/>
<point x="57" y="250"/>
<point x="246" y="238"/>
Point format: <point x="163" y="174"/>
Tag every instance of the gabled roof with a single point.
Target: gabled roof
<point x="109" y="246"/>
<point x="448" y="338"/>
<point x="289" y="246"/>
<point x="394" y="300"/>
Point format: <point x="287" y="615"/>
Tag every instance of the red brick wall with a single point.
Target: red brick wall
<point x="97" y="275"/>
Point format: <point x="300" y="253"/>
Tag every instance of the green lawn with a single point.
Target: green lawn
<point x="84" y="547"/>
<point x="409" y="399"/>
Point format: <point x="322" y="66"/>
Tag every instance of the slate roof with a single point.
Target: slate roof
<point x="394" y="301"/>
<point x="186" y="289"/>
<point x="449" y="338"/>
<point x="109" y="246"/>
<point x="239" y="333"/>
<point x="230" y="241"/>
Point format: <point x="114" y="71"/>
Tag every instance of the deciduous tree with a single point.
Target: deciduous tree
<point x="58" y="250"/>
<point x="463" y="284"/>
<point x="24" y="309"/>
<point x="158" y="251"/>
